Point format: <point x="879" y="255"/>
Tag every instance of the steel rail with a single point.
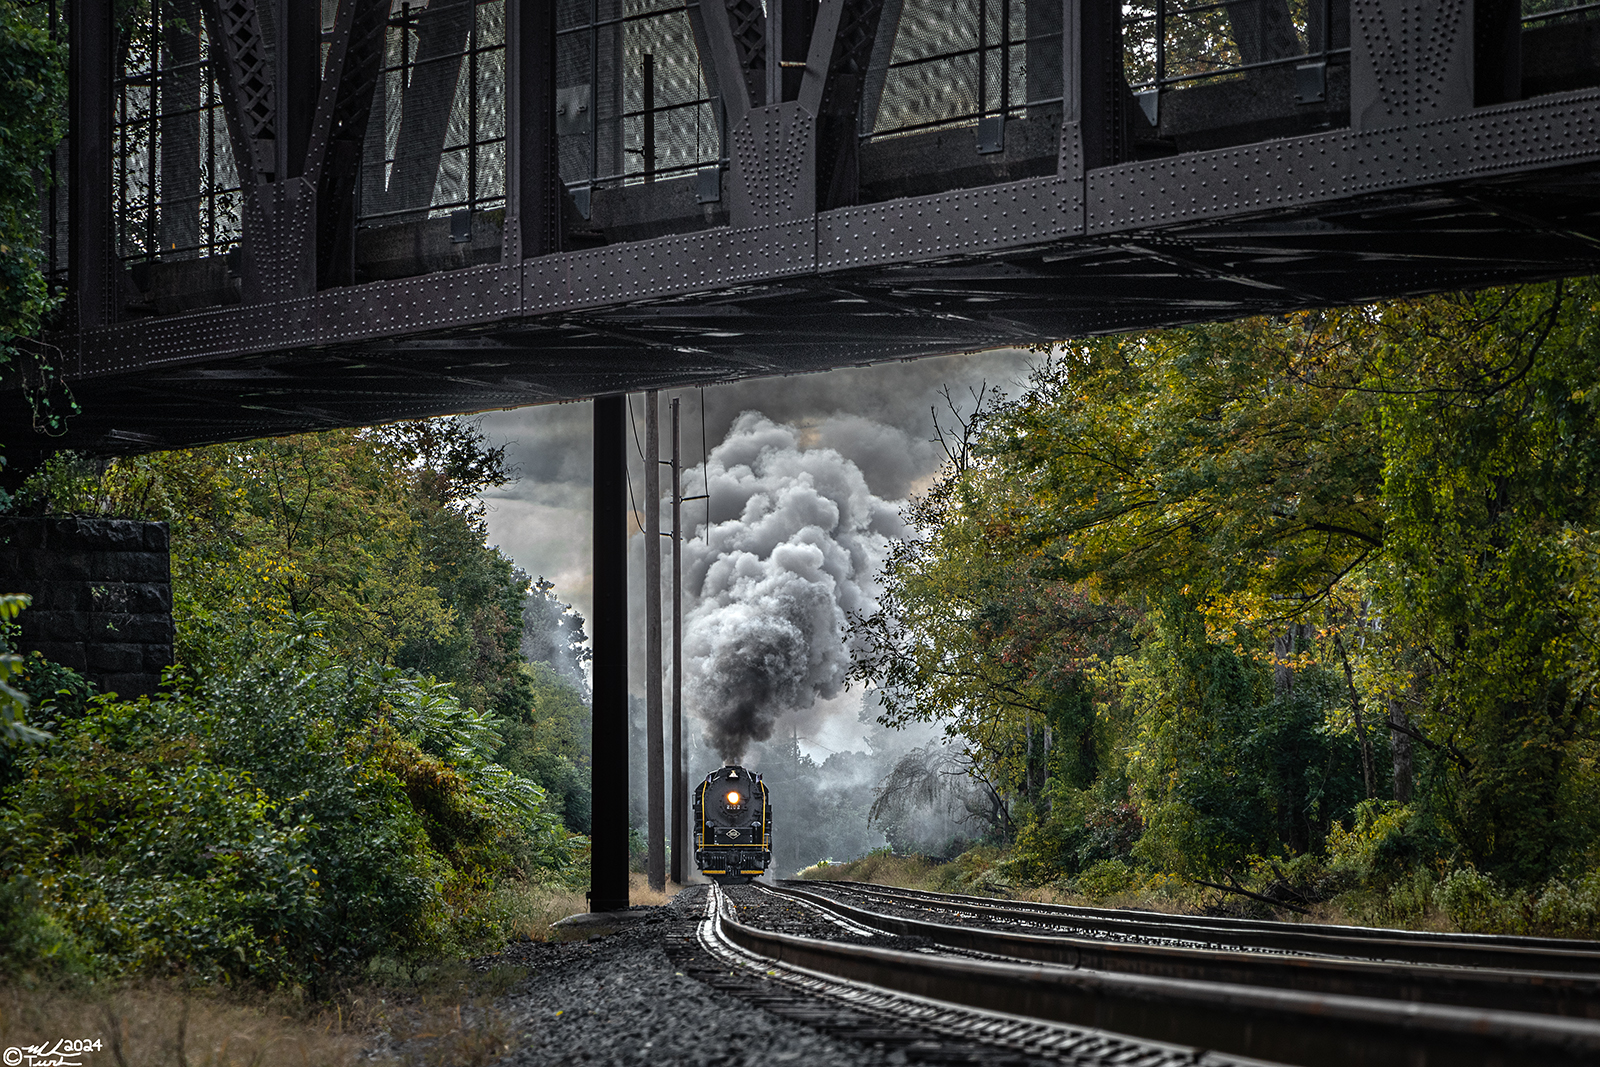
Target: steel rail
<point x="1408" y="946"/>
<point x="1079" y="1046"/>
<point x="1283" y="1026"/>
<point x="1536" y="992"/>
<point x="1377" y="932"/>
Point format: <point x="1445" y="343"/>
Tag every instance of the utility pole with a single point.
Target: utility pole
<point x="678" y="785"/>
<point x="656" y="864"/>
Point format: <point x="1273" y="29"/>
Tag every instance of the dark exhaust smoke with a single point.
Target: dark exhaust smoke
<point x="767" y="637"/>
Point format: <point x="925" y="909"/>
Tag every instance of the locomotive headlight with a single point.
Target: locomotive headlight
<point x="733" y="799"/>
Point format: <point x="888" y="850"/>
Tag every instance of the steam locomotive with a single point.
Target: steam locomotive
<point x="733" y="826"/>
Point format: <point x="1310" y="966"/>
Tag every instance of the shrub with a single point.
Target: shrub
<point x="1106" y="878"/>
<point x="279" y="819"/>
<point x="1476" y="905"/>
<point x="1565" y="910"/>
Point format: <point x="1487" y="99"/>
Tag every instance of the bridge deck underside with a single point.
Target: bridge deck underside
<point x="304" y="214"/>
<point x="1430" y="240"/>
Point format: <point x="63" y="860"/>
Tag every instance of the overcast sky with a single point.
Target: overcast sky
<point x="880" y="418"/>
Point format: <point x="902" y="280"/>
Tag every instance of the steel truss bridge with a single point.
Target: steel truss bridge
<point x="283" y="215"/>
<point x="279" y="215"/>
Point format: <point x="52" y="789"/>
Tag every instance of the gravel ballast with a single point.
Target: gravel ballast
<point x="619" y="999"/>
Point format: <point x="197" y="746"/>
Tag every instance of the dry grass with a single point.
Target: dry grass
<point x="531" y="909"/>
<point x="907" y="872"/>
<point x="443" y="1015"/>
<point x="158" y="1025"/>
<point x="428" y="1016"/>
<point x="639" y="891"/>
<point x="452" y="1021"/>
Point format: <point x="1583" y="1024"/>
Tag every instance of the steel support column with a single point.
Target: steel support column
<point x="299" y="76"/>
<point x="608" y="768"/>
<point x="1091" y="87"/>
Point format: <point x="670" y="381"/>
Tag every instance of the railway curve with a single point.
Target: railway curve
<point x="1293" y="1006"/>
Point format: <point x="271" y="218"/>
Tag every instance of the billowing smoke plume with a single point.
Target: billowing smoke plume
<point x="766" y="638"/>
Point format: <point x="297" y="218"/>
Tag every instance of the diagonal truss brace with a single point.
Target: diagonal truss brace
<point x="296" y="210"/>
<point x="339" y="129"/>
<point x="737" y="33"/>
<point x="832" y="88"/>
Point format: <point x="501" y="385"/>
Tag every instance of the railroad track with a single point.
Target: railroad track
<point x="1305" y="1007"/>
<point x="929" y="1029"/>
<point x="1355" y="942"/>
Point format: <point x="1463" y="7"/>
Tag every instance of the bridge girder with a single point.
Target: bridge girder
<point x="806" y="243"/>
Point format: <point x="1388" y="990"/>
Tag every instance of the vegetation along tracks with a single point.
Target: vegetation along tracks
<point x="1309" y="1010"/>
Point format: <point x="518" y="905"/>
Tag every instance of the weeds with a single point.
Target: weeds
<point x="166" y="1025"/>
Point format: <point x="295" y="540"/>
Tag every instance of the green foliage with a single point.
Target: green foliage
<point x="33" y="90"/>
<point x="377" y="533"/>
<point x="1266" y="572"/>
<point x="33" y="93"/>
<point x="547" y="741"/>
<point x="1226" y="768"/>
<point x="345" y="764"/>
<point x="279" y="822"/>
<point x="14" y="728"/>
<point x="1106" y="878"/>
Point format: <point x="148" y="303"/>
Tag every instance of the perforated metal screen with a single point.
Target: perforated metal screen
<point x="954" y="63"/>
<point x="436" y="140"/>
<point x="631" y="95"/>
<point x="176" y="190"/>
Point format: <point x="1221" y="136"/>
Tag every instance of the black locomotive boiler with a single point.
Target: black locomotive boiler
<point x="733" y="826"/>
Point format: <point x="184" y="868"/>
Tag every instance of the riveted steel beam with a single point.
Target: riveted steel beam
<point x="1409" y="59"/>
<point x="533" y="179"/>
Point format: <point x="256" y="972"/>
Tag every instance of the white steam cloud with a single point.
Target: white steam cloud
<point x="766" y="638"/>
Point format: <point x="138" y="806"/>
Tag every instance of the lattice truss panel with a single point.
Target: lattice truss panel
<point x="631" y="94"/>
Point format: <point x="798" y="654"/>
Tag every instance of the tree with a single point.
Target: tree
<point x="1491" y="447"/>
<point x="985" y="639"/>
<point x="1300" y="519"/>
<point x="33" y="90"/>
